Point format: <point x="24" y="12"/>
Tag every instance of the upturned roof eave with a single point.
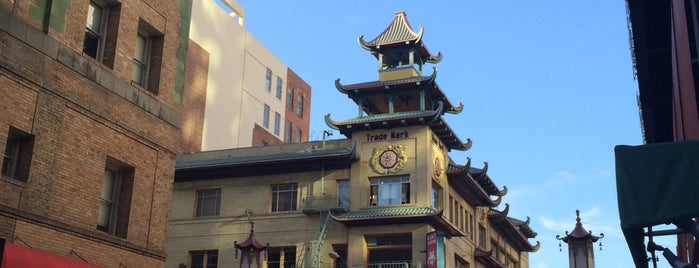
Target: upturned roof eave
<point x="435" y="219"/>
<point x="399" y="33"/>
<point x="501" y="222"/>
<point x="469" y="189"/>
<point x="379" y="86"/>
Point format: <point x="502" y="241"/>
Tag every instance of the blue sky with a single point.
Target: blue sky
<point x="548" y="90"/>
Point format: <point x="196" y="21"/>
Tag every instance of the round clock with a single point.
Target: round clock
<point x="388" y="159"/>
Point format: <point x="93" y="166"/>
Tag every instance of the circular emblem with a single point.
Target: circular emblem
<point x="388" y="159"/>
<point x="437" y="167"/>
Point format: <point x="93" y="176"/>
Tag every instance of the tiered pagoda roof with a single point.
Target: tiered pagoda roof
<point x="400" y="98"/>
<point x="399" y="215"/>
<point x="432" y="118"/>
<point x="399" y="34"/>
<point x="474" y="185"/>
<point x="517" y="232"/>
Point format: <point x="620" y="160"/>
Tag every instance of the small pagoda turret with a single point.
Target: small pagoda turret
<point x="580" y="248"/>
<point x="402" y="96"/>
<point x="398" y="46"/>
<point x="250" y="249"/>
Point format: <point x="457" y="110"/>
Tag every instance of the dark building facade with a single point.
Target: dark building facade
<point x="664" y="38"/>
<point x="90" y="101"/>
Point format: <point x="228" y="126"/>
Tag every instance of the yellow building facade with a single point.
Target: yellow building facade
<point x="388" y="195"/>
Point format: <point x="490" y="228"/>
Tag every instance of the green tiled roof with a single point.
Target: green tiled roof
<point x="383" y="117"/>
<point x="250" y="155"/>
<point x="389" y="212"/>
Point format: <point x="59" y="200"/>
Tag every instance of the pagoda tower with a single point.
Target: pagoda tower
<point x="404" y="177"/>
<point x="402" y="96"/>
<point x="580" y="249"/>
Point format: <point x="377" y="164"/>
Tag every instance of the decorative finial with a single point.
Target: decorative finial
<point x="577" y="215"/>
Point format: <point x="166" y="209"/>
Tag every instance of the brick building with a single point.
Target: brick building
<point x="90" y="123"/>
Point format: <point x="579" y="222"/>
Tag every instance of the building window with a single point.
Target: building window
<point x="299" y="105"/>
<point x="389" y="251"/>
<point x="140" y="65"/>
<point x="343" y="194"/>
<point x="460" y="263"/>
<point x="287" y="132"/>
<point x="18" y="154"/>
<point x="208" y="202"/>
<point x="265" y="116"/>
<point x="115" y="199"/>
<point x="204" y="259"/>
<point x="268" y="80"/>
<point x="436" y="196"/>
<point x="297" y="135"/>
<point x="341" y="251"/>
<point x="481" y="236"/>
<point x="95" y="30"/>
<point x="281" y="258"/>
<point x="290" y="98"/>
<point x="277" y="118"/>
<point x="279" y="87"/>
<point x="147" y="55"/>
<point x="284" y="197"/>
<point x="471" y="226"/>
<point x="390" y="191"/>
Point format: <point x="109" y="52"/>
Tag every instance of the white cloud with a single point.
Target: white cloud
<point x="352" y="19"/>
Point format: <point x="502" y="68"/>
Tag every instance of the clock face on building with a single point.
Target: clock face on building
<point x="388" y="159"/>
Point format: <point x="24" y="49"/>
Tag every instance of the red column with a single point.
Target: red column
<point x="684" y="104"/>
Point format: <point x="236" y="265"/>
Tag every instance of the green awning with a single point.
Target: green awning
<point x="657" y="183"/>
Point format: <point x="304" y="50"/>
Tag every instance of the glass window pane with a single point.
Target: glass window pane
<point x="140" y="54"/>
<point x="212" y="259"/>
<point x="94" y="17"/>
<point x="104" y="214"/>
<point x="108" y="184"/>
<point x="137" y="74"/>
<point x="197" y="260"/>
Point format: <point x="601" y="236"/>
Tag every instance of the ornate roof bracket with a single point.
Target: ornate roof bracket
<point x="536" y="247"/>
<point x="500" y="214"/>
<point x="503" y="191"/>
<point x="497" y="201"/>
<point x="468" y="161"/>
<point x="457" y="109"/>
<point x="484" y="170"/>
<point x="466" y="146"/>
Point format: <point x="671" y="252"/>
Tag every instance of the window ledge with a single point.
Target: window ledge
<point x="13" y="181"/>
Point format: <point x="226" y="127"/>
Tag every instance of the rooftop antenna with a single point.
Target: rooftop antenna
<point x="249" y="212"/>
<point x="325" y="134"/>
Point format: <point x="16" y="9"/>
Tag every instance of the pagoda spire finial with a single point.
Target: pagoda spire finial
<point x="577" y="216"/>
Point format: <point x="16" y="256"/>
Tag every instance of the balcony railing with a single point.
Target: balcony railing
<point x="317" y="204"/>
<point x="397" y="264"/>
<point x="394" y="264"/>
